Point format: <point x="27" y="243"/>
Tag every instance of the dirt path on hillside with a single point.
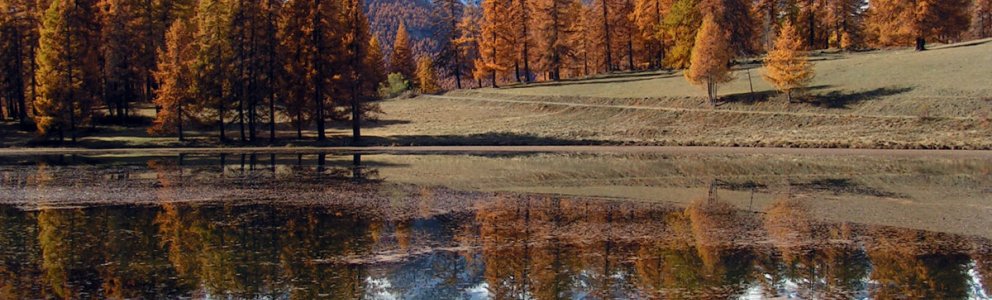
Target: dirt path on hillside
<point x="673" y="109"/>
<point x="514" y="149"/>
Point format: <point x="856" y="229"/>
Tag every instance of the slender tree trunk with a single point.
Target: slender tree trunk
<point x="606" y="31"/>
<point x="319" y="78"/>
<point x="811" y="20"/>
<point x="921" y="43"/>
<point x="455" y="48"/>
<point x="525" y="24"/>
<point x="271" y="78"/>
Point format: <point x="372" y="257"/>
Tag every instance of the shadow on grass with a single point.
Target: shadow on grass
<point x="759" y="97"/>
<point x="841" y="99"/>
<point x="613" y="78"/>
<point x="843" y="186"/>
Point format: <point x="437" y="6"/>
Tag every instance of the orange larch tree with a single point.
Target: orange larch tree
<point x="495" y="41"/>
<point x="174" y="76"/>
<point x="555" y="31"/>
<point x="711" y="55"/>
<point x="787" y="66"/>
<point x="901" y="22"/>
<point x="401" y="60"/>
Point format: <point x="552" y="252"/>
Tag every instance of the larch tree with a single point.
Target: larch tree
<point x="401" y="60"/>
<point x="174" y="75"/>
<point x="556" y="31"/>
<point x="648" y="16"/>
<point x="19" y="29"/>
<point x="469" y="35"/>
<point x="735" y="16"/>
<point x="212" y="66"/>
<point x="521" y="11"/>
<point x="680" y="27"/>
<point x="68" y="66"/>
<point x="711" y="55"/>
<point x="122" y="65"/>
<point x="296" y="69"/>
<point x="426" y="77"/>
<point x="787" y="65"/>
<point x="447" y="15"/>
<point x="981" y="19"/>
<point x="362" y="71"/>
<point x="494" y="42"/>
<point x="900" y="22"/>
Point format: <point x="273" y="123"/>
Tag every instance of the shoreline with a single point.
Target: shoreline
<point x="676" y="150"/>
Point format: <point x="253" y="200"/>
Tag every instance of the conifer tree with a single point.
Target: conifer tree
<point x="495" y="48"/>
<point x="647" y="16"/>
<point x="122" y="59"/>
<point x="680" y="28"/>
<point x="212" y="67"/>
<point x="174" y="76"/>
<point x="401" y="60"/>
<point x="68" y="66"/>
<point x="787" y="66"/>
<point x="711" y="54"/>
<point x="294" y="76"/>
<point x="448" y="13"/>
<point x="901" y="22"/>
<point x="363" y="71"/>
<point x="556" y="32"/>
<point x="426" y="79"/>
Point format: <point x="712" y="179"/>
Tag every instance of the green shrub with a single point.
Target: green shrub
<point x="395" y="85"/>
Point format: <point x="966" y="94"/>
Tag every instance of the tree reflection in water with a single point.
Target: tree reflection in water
<point x="367" y="238"/>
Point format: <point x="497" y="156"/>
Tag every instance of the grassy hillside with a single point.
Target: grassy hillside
<point x="900" y="98"/>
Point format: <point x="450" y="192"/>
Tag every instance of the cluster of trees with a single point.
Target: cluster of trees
<point x="251" y="63"/>
<point x="214" y="62"/>
<point x="525" y="40"/>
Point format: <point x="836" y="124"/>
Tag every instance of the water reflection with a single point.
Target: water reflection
<point x="304" y="226"/>
<point x="511" y="247"/>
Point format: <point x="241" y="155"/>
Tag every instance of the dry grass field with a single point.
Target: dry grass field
<point x="898" y="98"/>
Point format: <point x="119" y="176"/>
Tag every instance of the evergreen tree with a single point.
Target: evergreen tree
<point x="788" y="68"/>
<point x="494" y="42"/>
<point x="68" y="66"/>
<point x="711" y="54"/>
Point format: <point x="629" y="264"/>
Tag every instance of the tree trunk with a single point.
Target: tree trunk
<point x="526" y="49"/>
<point x="921" y="44"/>
<point x="606" y="32"/>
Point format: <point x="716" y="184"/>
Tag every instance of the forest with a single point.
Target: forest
<point x="252" y="67"/>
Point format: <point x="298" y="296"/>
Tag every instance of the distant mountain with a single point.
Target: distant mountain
<point x="385" y="17"/>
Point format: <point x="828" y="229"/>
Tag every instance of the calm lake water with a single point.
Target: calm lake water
<point x="501" y="226"/>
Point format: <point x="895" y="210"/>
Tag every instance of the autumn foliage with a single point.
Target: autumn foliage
<point x="787" y="67"/>
<point x="711" y="56"/>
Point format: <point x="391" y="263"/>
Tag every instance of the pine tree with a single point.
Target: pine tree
<point x="711" y="54"/>
<point x="401" y="60"/>
<point x="787" y="66"/>
<point x="426" y="77"/>
<point x="174" y="76"/>
<point x="68" y="68"/>
<point x="680" y="28"/>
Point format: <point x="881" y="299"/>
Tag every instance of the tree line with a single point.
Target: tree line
<point x="241" y="65"/>
<point x="248" y="65"/>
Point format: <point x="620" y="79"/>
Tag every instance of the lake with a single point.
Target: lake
<point x="496" y="225"/>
